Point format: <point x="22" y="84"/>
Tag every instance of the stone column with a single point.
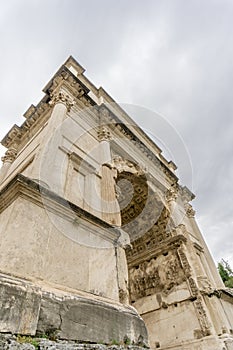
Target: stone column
<point x="50" y="163"/>
<point x="171" y="197"/>
<point x="104" y="137"/>
<point x="61" y="103"/>
<point x="122" y="267"/>
<point x="110" y="206"/>
<point x="7" y="160"/>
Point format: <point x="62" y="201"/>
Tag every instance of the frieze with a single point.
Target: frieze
<point x="186" y="194"/>
<point x="154" y="276"/>
<point x="104" y="114"/>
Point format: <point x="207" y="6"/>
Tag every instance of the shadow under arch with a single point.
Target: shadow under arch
<point x="143" y="206"/>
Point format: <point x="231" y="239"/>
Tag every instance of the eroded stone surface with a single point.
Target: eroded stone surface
<point x="85" y="320"/>
<point x="11" y="342"/>
<point x="19" y="305"/>
<point x="29" y="310"/>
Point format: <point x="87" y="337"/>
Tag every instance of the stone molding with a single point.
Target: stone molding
<point x="35" y="117"/>
<point x="149" y="278"/>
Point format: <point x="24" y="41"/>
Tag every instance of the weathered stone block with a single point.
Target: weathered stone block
<point x="19" y="306"/>
<point x="10" y="342"/>
<point x="90" y="321"/>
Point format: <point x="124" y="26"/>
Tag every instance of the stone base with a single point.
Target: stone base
<point x="10" y="342"/>
<point x="28" y="309"/>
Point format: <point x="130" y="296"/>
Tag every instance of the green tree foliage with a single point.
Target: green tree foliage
<point x="226" y="273"/>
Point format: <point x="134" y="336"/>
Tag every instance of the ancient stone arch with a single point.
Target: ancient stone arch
<point x="105" y="233"/>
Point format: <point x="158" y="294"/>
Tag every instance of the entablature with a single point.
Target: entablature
<point x="142" y="251"/>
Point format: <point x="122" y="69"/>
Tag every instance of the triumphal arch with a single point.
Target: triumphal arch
<point x="98" y="239"/>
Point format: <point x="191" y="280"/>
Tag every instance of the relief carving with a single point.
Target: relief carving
<point x="172" y="194"/>
<point x="104" y="134"/>
<point x="190" y="212"/>
<point x="205" y="285"/>
<point x="124" y="165"/>
<point x="193" y="287"/>
<point x="154" y="276"/>
<point x="184" y="262"/>
<point x="202" y="316"/>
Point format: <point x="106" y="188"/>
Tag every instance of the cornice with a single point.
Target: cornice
<point x="77" y="89"/>
<point x="17" y="133"/>
<point x="63" y="78"/>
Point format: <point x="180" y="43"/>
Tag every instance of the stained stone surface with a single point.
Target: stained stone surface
<point x="28" y="310"/>
<point x="19" y="305"/>
<point x="85" y="320"/>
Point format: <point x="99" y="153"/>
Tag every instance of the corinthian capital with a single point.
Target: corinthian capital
<point x="190" y="212"/>
<point x="171" y="194"/>
<point x="104" y="134"/>
<point x="61" y="97"/>
<point x="9" y="156"/>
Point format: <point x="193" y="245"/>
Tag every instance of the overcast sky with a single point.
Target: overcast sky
<point x="172" y="57"/>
